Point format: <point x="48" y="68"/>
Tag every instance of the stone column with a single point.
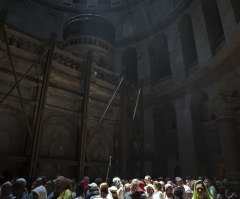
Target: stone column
<point x="185" y="136"/>
<point x="224" y="106"/>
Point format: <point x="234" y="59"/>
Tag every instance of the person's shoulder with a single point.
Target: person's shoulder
<point x="127" y="195"/>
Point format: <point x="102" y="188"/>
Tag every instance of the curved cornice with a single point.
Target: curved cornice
<point x="82" y="10"/>
<point x="230" y="51"/>
<point x="156" y="27"/>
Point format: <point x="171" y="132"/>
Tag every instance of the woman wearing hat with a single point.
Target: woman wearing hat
<point x="150" y="191"/>
<point x="168" y="192"/>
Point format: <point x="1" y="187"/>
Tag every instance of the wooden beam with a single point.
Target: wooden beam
<point x="40" y="109"/>
<point x="84" y="116"/>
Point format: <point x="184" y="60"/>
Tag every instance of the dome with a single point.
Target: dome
<point x="89" y="24"/>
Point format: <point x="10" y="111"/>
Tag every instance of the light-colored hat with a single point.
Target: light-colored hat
<point x="22" y="181"/>
<point x="168" y="185"/>
<point x="41" y="192"/>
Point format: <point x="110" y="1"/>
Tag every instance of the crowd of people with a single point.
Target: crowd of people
<point x="65" y="188"/>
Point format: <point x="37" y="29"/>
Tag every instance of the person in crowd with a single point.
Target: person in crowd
<point x="104" y="191"/>
<point x="85" y="188"/>
<point x="39" y="181"/>
<point x="50" y="189"/>
<point x="192" y="185"/>
<point x="87" y="179"/>
<point x="24" y="183"/>
<point x="158" y="187"/>
<point x="98" y="181"/>
<point x="178" y="193"/>
<point x="80" y="191"/>
<point x="150" y="191"/>
<point x="141" y="186"/>
<point x="73" y="188"/>
<point x="211" y="188"/>
<point x="94" y="191"/>
<point x="127" y="187"/>
<point x="163" y="185"/>
<point x="6" y="190"/>
<point x="133" y="194"/>
<point x="39" y="192"/>
<point x="201" y="191"/>
<point x="228" y="190"/>
<point x="113" y="192"/>
<point x="117" y="183"/>
<point x="180" y="184"/>
<point x="65" y="187"/>
<point x="18" y="191"/>
<point x="57" y="187"/>
<point x="148" y="180"/>
<point x="189" y="193"/>
<point x="168" y="192"/>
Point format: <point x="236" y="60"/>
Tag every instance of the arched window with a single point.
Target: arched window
<point x="159" y="58"/>
<point x="129" y="62"/>
<point x="213" y="24"/>
<point x="188" y="43"/>
<point x="236" y="9"/>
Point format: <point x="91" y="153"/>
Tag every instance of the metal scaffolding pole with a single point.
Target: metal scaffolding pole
<point x="141" y="111"/>
<point x="124" y="125"/>
<point x="104" y="113"/>
<point x="41" y="108"/>
<point x="84" y="115"/>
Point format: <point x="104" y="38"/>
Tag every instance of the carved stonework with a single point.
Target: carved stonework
<point x="223" y="106"/>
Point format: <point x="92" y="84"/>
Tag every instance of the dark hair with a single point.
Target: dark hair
<point x="79" y="189"/>
<point x="44" y="179"/>
<point x="178" y="192"/>
<point x="98" y="181"/>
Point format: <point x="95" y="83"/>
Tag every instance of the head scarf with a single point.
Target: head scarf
<point x="195" y="193"/>
<point x="41" y="192"/>
<point x="9" y="184"/>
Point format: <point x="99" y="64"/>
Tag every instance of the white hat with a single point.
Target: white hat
<point x="168" y="185"/>
<point x="41" y="192"/>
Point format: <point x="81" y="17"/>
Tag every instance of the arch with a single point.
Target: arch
<point x="159" y="58"/>
<point x="58" y="139"/>
<point x="129" y="62"/>
<point x="18" y="12"/>
<point x="165" y="133"/>
<point x="206" y="138"/>
<point x="128" y="24"/>
<point x="199" y="99"/>
<point x="100" y="146"/>
<point x="213" y="24"/>
<point x="188" y="43"/>
<point x="236" y="9"/>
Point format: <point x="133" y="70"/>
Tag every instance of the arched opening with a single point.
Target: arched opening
<point x="166" y="139"/>
<point x="236" y="9"/>
<point x="188" y="43"/>
<point x="213" y="24"/>
<point x="159" y="58"/>
<point x="129" y="62"/>
<point x="206" y="139"/>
